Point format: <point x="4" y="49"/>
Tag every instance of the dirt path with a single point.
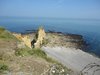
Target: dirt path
<point x="77" y="60"/>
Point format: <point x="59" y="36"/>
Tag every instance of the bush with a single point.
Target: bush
<point x="27" y="51"/>
<point x="22" y="52"/>
<point x="34" y="52"/>
<point x="37" y="52"/>
<point x="3" y="67"/>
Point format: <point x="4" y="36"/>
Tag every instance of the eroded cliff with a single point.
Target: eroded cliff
<point x="24" y="38"/>
<point x="32" y="41"/>
<point x="39" y="37"/>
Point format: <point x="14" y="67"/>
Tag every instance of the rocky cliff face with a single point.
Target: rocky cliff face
<point x="40" y="35"/>
<point x="24" y="38"/>
<point x="36" y="40"/>
<point x="32" y="41"/>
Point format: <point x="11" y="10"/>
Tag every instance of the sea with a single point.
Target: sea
<point x="88" y="28"/>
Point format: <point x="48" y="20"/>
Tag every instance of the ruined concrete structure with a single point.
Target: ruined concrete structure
<point x="37" y="40"/>
<point x="24" y="38"/>
<point x="27" y="41"/>
<point x="40" y="36"/>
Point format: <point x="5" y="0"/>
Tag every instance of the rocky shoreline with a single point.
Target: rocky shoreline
<point x="65" y="40"/>
<point x="65" y="48"/>
<point x="53" y="39"/>
<point x="16" y="58"/>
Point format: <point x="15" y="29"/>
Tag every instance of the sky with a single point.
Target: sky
<point x="51" y="8"/>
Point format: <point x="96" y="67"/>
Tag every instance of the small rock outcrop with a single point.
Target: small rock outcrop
<point x="25" y="38"/>
<point x="39" y="37"/>
<point x="35" y="42"/>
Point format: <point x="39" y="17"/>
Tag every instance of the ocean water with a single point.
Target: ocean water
<point x="89" y="29"/>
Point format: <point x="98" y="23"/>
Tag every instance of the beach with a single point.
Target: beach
<point x="75" y="59"/>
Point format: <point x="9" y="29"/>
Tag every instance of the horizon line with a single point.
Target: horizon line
<point x="28" y="17"/>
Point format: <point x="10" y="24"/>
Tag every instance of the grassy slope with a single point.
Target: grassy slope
<point x="6" y="35"/>
<point x="21" y="59"/>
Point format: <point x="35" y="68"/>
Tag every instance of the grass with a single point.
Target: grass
<point x="35" y="52"/>
<point x="28" y="52"/>
<point x="22" y="52"/>
<point x="6" y="35"/>
<point x="2" y="29"/>
<point x="3" y="67"/>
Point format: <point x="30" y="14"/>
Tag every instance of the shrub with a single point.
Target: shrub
<point x="22" y="52"/>
<point x="3" y="67"/>
<point x="37" y="52"/>
<point x="34" y="52"/>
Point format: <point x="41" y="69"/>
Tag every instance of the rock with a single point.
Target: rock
<point x="68" y="40"/>
<point x="40" y="35"/>
<point x="74" y="40"/>
<point x="56" y="69"/>
<point x="52" y="39"/>
<point x="36" y="42"/>
<point x="25" y="38"/>
<point x="27" y="41"/>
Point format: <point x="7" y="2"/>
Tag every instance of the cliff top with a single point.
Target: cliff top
<point x="16" y="58"/>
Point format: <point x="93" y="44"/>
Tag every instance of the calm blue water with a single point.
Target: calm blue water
<point x="90" y="29"/>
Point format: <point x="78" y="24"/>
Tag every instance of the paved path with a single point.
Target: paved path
<point x="77" y="60"/>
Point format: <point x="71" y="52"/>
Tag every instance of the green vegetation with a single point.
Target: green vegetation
<point x="28" y="51"/>
<point x="22" y="52"/>
<point x="2" y="29"/>
<point x="6" y="35"/>
<point x="3" y="67"/>
<point x="8" y="58"/>
<point x="34" y="52"/>
<point x="37" y="52"/>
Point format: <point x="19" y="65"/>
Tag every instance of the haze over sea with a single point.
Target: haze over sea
<point x="89" y="28"/>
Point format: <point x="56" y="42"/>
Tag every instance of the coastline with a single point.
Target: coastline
<point x="86" y="47"/>
<point x="72" y="57"/>
<point x="75" y="59"/>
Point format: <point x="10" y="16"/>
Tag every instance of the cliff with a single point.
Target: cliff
<point x="39" y="37"/>
<point x="26" y="61"/>
<point x="34" y="41"/>
<point x="24" y="38"/>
